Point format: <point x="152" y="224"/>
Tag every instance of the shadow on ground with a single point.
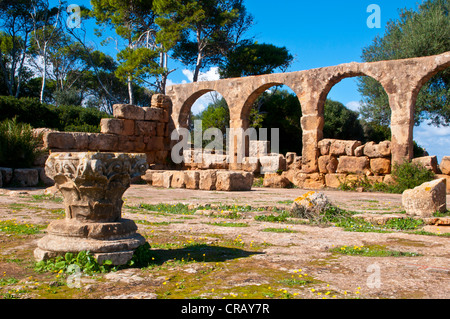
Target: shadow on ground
<point x="200" y="253"/>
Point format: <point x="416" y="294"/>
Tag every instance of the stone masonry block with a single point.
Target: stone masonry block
<point x="112" y="126"/>
<point x="129" y="112"/>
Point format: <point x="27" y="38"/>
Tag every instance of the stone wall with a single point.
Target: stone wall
<point x="132" y="129"/>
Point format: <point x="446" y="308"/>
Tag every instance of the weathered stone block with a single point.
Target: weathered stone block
<point x="103" y="142"/>
<point x="445" y="165"/>
<point x="158" y="179"/>
<point x="447" y="178"/>
<point x="154" y="114"/>
<point x="259" y="148"/>
<point x="359" y="151"/>
<point x="328" y="164"/>
<point x="156" y="143"/>
<point x="178" y="179"/>
<point x="59" y="140"/>
<point x="251" y="164"/>
<point x="128" y="127"/>
<point x="426" y="199"/>
<point x="341" y="147"/>
<point x="324" y="146"/>
<point x="167" y="179"/>
<point x="192" y="179"/>
<point x="334" y="180"/>
<point x="380" y="166"/>
<point x="129" y="112"/>
<point x="296" y="164"/>
<point x="429" y="162"/>
<point x="145" y="128"/>
<point x="234" y="181"/>
<point x="25" y="177"/>
<point x="274" y="180"/>
<point x="7" y="175"/>
<point x="160" y="129"/>
<point x="353" y="165"/>
<point x="290" y="158"/>
<point x="208" y="179"/>
<point x="161" y="101"/>
<point x="272" y="163"/>
<point x="309" y="181"/>
<point x="383" y="149"/>
<point x="112" y="126"/>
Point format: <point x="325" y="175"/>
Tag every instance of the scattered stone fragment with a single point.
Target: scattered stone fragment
<point x="426" y="199"/>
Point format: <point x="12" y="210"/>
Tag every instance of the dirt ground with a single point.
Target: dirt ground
<point x="200" y="256"/>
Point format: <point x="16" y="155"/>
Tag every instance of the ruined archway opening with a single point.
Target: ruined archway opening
<point x="275" y="112"/>
<point x="431" y="132"/>
<point x="357" y="108"/>
<point x="205" y="119"/>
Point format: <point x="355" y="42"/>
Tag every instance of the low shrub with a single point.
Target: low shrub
<point x="405" y="176"/>
<point x="18" y="146"/>
<point x="67" y="118"/>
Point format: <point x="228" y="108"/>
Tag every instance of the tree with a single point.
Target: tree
<point x="341" y="123"/>
<point x="416" y="33"/>
<point x="201" y="32"/>
<point x="46" y="32"/>
<point x="16" y="26"/>
<point x="134" y="22"/>
<point x="255" y="59"/>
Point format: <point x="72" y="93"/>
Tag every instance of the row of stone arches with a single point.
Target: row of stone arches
<point x="401" y="80"/>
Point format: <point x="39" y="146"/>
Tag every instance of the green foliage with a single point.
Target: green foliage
<point x="255" y="59"/>
<point x="416" y="33"/>
<point x="200" y="32"/>
<point x="409" y="175"/>
<point x="14" y="227"/>
<point x="62" y="118"/>
<point x="406" y="176"/>
<point x="372" y="251"/>
<point x="84" y="260"/>
<point x="341" y="123"/>
<point x="273" y="218"/>
<point x="18" y="146"/>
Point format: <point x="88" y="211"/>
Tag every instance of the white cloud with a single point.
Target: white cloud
<point x="435" y="140"/>
<point x="211" y="75"/>
<point x="353" y="105"/>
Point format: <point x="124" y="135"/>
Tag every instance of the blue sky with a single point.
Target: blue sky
<point x="318" y="34"/>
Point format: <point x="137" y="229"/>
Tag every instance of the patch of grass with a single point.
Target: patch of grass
<point x="287" y="202"/>
<point x="179" y="208"/>
<point x="258" y="182"/>
<point x="229" y="224"/>
<point x="279" y="230"/>
<point x="282" y="217"/>
<point x="43" y="197"/>
<point x="371" y="251"/>
<point x="13" y="227"/>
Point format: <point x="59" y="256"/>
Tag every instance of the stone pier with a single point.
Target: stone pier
<point x="92" y="185"/>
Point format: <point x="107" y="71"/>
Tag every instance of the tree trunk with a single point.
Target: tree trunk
<point x="44" y="74"/>
<point x="130" y="91"/>
<point x="197" y="67"/>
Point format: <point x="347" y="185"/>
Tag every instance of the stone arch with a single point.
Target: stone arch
<point x="335" y="79"/>
<point x="253" y="94"/>
<point x="184" y="112"/>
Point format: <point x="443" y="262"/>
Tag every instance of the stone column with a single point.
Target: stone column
<point x="92" y="185"/>
<point x="402" y="126"/>
<point x="238" y="143"/>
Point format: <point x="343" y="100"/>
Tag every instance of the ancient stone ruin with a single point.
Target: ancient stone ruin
<point x="92" y="185"/>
